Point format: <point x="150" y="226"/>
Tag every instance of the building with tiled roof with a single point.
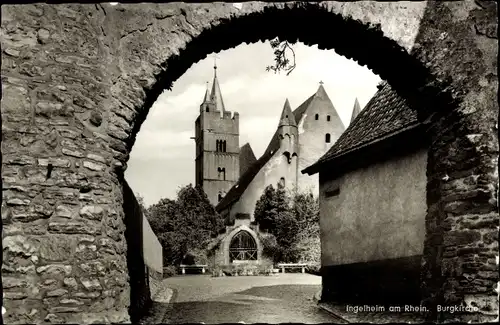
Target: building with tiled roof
<point x="301" y="137"/>
<point x="234" y="179"/>
<point x="372" y="185"/>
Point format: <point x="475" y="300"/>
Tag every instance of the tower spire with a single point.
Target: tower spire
<point x="355" y="111"/>
<point x="216" y="95"/>
<point x="206" y="99"/>
<point x="287" y="117"/>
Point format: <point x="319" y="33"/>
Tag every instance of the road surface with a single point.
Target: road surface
<point x="280" y="298"/>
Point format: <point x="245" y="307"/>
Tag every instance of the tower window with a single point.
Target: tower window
<point x="282" y="182"/>
<point x="221" y="171"/>
<point x="316" y="117"/>
<point x="207" y="109"/>
<point x="328" y="118"/>
<point x="220" y="145"/>
<point x="327" y="138"/>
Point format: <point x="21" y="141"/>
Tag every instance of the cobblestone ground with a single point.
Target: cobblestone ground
<point x="257" y="299"/>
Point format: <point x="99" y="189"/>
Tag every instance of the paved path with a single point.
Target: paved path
<point x="250" y="299"/>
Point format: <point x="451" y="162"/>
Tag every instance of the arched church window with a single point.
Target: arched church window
<point x="282" y="182"/>
<point x="328" y="118"/>
<point x="316" y="117"/>
<point x="243" y="247"/>
<point x="217" y="144"/>
<point x="207" y="109"/>
<point x="224" y="146"/>
<point x="327" y="138"/>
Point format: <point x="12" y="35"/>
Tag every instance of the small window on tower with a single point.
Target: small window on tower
<point x="316" y="117"/>
<point x="327" y="138"/>
<point x="328" y="118"/>
<point x="282" y="182"/>
<point x="207" y="109"/>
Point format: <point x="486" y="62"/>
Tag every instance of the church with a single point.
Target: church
<point x="234" y="179"/>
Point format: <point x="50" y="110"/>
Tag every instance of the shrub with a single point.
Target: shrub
<point x="169" y="271"/>
<point x="195" y="256"/>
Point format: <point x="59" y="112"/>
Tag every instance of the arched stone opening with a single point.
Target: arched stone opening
<point x="127" y="61"/>
<point x="243" y="247"/>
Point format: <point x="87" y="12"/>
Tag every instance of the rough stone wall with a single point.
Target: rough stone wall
<point x="78" y="80"/>
<point x="64" y="249"/>
<point x="459" y="42"/>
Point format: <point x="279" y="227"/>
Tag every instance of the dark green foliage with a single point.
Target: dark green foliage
<point x="184" y="226"/>
<point x="265" y="209"/>
<point x="292" y="226"/>
<point x="169" y="271"/>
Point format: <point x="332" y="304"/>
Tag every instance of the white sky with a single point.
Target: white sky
<point x="162" y="159"/>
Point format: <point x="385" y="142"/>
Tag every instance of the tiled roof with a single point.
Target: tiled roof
<point x="237" y="190"/>
<point x="247" y="158"/>
<point x="385" y="114"/>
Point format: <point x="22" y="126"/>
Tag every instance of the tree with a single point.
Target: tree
<point x="185" y="226"/>
<point x="266" y="209"/>
<point x="306" y="210"/>
<point x="140" y="200"/>
<point x="293" y="223"/>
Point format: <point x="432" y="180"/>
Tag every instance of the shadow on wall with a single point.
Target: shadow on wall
<point x="140" y="294"/>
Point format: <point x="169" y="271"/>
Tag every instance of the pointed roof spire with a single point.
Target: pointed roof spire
<point x="216" y="95"/>
<point x="355" y="110"/>
<point x="206" y="99"/>
<point x="287" y="117"/>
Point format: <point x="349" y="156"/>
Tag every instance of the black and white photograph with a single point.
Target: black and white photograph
<point x="250" y="162"/>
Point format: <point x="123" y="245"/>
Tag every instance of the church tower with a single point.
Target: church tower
<point x="289" y="147"/>
<point x="217" y="145"/>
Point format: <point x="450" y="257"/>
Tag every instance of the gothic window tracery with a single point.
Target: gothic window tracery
<point x="243" y="247"/>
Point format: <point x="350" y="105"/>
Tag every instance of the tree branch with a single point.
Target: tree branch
<point x="282" y="63"/>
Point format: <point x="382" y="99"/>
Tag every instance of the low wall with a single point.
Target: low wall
<point x="144" y="256"/>
<point x="151" y="249"/>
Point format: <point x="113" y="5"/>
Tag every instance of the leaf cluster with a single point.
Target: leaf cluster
<point x="185" y="226"/>
<point x="293" y="222"/>
<point x="282" y="52"/>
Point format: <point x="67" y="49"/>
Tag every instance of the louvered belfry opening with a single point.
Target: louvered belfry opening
<point x="243" y="247"/>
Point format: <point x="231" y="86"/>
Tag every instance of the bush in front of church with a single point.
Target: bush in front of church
<point x="185" y="226"/>
<point x="291" y="226"/>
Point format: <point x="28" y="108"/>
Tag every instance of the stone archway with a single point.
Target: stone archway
<point x="243" y="247"/>
<point x="78" y="81"/>
<point x="228" y="240"/>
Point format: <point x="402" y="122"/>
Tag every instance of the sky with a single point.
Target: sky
<point x="162" y="159"/>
